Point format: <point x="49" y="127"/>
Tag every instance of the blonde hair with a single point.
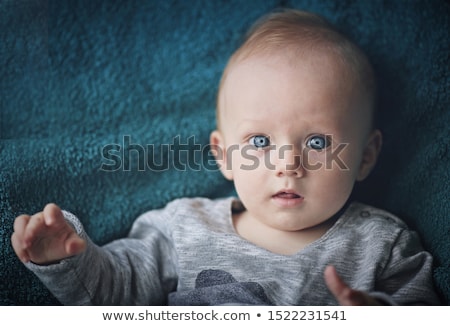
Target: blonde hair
<point x="295" y="32"/>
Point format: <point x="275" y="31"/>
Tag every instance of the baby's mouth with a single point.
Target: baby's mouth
<point x="287" y="195"/>
<point x="288" y="198"/>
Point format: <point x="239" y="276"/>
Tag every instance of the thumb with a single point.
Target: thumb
<point x="75" y="245"/>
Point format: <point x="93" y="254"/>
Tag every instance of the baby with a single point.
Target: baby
<point x="295" y="131"/>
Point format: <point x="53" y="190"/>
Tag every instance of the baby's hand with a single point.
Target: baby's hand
<point x="45" y="237"/>
<point x="345" y="295"/>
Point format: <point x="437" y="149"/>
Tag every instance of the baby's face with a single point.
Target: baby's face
<point x="295" y="138"/>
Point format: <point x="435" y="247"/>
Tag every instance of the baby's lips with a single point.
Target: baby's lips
<point x="287" y="194"/>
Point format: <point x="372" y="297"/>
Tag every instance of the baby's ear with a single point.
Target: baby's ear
<point x="219" y="151"/>
<point x="370" y="155"/>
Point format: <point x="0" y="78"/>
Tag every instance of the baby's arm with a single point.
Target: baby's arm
<point x="45" y="237"/>
<point x="137" y="270"/>
<point x="407" y="277"/>
<point x="405" y="280"/>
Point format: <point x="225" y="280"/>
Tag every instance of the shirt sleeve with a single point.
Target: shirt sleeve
<point x="407" y="276"/>
<point x="137" y="270"/>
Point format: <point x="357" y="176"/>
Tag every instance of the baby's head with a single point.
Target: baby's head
<point x="295" y="119"/>
<point x="292" y="36"/>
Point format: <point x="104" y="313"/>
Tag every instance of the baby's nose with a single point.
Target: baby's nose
<point x="289" y="162"/>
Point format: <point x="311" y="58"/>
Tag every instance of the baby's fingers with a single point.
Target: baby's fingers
<point x="337" y="287"/>
<point x="17" y="238"/>
<point x="19" y="249"/>
<point x="33" y="229"/>
<point x="345" y="295"/>
<point x="53" y="216"/>
<point x="20" y="223"/>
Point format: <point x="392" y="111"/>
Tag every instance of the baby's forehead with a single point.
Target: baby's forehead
<point x="344" y="58"/>
<point x="302" y="64"/>
<point x="317" y="62"/>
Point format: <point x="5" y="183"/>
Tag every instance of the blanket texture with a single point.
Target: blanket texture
<point x="106" y="109"/>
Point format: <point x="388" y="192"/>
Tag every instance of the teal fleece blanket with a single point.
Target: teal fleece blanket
<point x="106" y="109"/>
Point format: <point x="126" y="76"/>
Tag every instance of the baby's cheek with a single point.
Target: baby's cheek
<point x="246" y="161"/>
<point x="314" y="161"/>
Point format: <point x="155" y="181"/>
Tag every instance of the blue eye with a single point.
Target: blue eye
<point x="259" y="141"/>
<point x="318" y="142"/>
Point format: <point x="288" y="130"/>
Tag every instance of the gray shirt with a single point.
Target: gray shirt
<point x="188" y="253"/>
